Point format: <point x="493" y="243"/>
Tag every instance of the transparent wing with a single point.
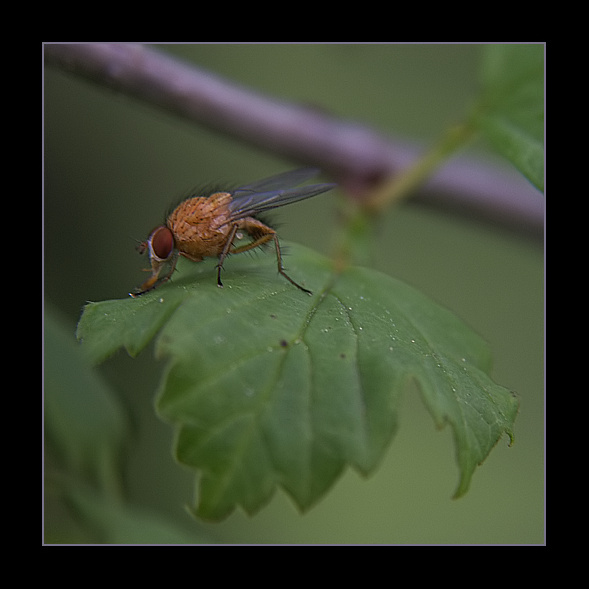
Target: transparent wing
<point x="279" y="181"/>
<point x="273" y="192"/>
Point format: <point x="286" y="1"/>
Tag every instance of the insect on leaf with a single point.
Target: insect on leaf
<point x="271" y="388"/>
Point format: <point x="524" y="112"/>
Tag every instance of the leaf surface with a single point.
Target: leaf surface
<point x="269" y="387"/>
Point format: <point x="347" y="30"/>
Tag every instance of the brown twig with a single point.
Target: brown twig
<point x="358" y="157"/>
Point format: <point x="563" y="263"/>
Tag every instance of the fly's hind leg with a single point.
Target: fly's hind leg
<point x="261" y="234"/>
<point x="281" y="269"/>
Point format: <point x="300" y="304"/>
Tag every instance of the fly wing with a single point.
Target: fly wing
<point x="273" y="192"/>
<point x="279" y="181"/>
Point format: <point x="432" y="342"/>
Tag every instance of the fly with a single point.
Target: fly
<point x="206" y="226"/>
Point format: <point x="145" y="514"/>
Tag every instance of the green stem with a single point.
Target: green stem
<point x="354" y="245"/>
<point x="399" y="187"/>
<point x="355" y="240"/>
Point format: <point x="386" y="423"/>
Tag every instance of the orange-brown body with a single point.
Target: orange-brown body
<point x="202" y="227"/>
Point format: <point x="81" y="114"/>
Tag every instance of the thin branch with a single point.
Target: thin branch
<point x="356" y="156"/>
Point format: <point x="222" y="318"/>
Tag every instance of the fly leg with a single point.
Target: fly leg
<point x="226" y="250"/>
<point x="261" y="234"/>
<point x="281" y="269"/>
<point x="154" y="280"/>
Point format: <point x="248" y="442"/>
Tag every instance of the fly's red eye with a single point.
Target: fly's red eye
<point x="162" y="243"/>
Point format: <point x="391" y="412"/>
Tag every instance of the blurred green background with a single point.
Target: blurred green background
<point x="113" y="166"/>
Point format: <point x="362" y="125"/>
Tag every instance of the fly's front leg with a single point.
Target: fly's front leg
<point x="154" y="280"/>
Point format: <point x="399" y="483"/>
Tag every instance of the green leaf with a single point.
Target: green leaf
<point x="269" y="387"/>
<point x="112" y="522"/>
<point x="85" y="425"/>
<point x="511" y="113"/>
